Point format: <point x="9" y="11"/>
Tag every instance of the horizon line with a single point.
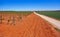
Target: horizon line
<point x="30" y="10"/>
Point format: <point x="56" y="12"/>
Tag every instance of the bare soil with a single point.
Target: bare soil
<point x="27" y="26"/>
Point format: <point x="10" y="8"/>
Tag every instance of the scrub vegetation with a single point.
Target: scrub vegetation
<point x="53" y="14"/>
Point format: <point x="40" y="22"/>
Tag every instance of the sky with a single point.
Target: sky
<point x="29" y="5"/>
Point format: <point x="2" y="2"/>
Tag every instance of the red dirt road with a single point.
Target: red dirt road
<point x="30" y="26"/>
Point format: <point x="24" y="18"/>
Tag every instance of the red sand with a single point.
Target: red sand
<point x="31" y="26"/>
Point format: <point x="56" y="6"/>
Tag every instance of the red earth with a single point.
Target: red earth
<point x="27" y="26"/>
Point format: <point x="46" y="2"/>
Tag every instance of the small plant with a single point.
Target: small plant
<point x="13" y="20"/>
<point x="9" y="20"/>
<point x="1" y="19"/>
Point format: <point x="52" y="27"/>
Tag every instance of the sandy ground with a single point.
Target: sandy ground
<point x="54" y="22"/>
<point x="30" y="26"/>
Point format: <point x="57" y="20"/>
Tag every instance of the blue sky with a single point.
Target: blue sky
<point x="29" y="5"/>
